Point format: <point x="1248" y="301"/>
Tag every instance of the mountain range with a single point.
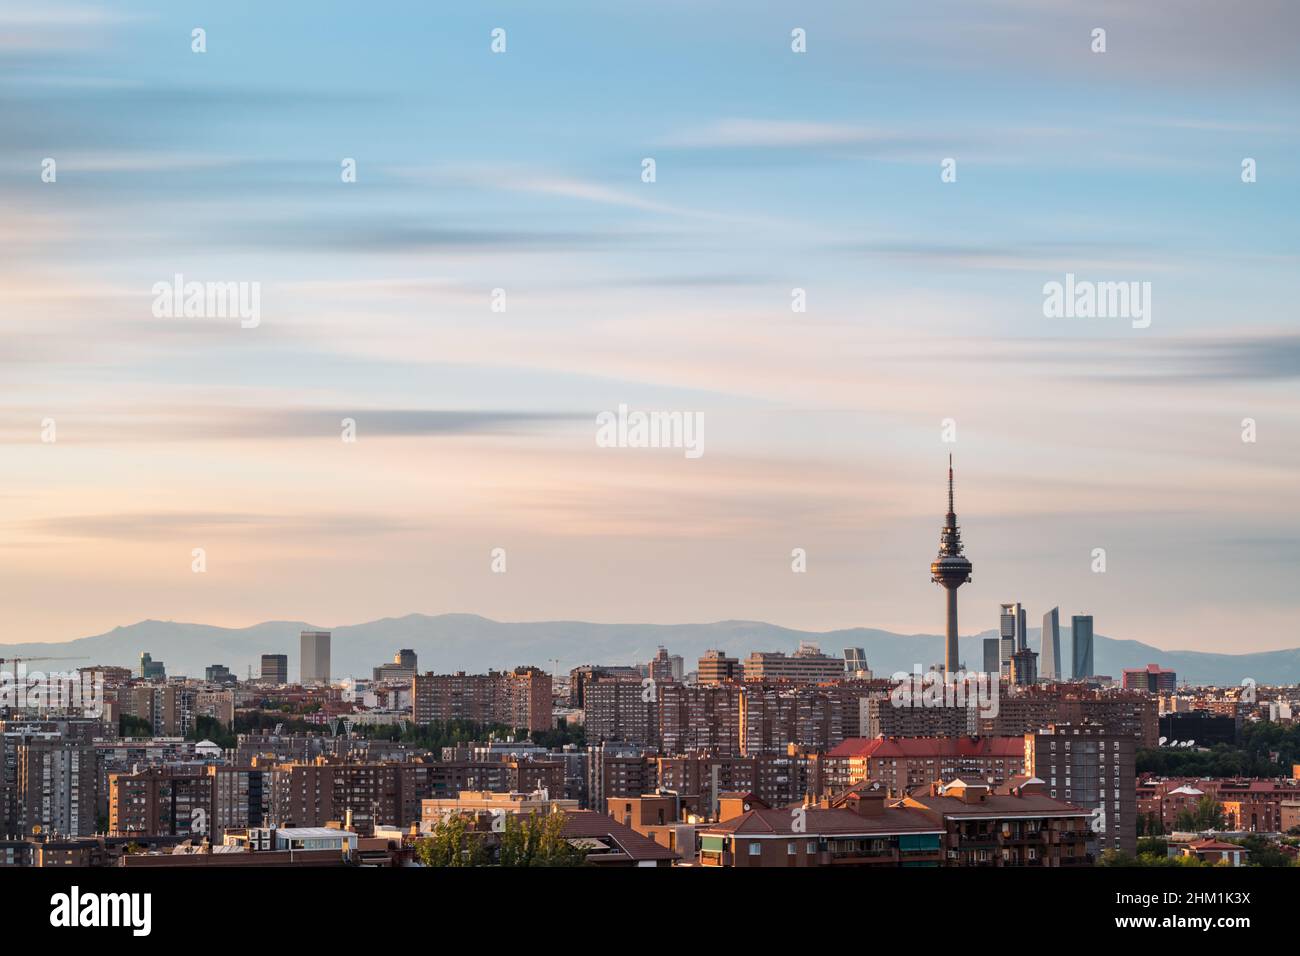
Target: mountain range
<point x="467" y="642"/>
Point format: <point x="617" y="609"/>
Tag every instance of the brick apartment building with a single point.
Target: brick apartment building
<point x="1247" y="804"/>
<point x="1018" y="825"/>
<point x="699" y="718"/>
<point x="900" y="764"/>
<point x="1088" y="766"/>
<point x="862" y="831"/>
<point x="622" y="709"/>
<point x="520" y="698"/>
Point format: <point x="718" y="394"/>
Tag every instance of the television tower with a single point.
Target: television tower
<point x="952" y="570"/>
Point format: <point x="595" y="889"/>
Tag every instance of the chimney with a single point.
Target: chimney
<point x="868" y="804"/>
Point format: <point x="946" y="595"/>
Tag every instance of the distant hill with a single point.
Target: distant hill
<point x="450" y="642"/>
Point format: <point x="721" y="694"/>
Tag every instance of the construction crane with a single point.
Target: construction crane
<point x="18" y="660"/>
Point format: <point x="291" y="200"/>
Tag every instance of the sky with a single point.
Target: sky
<point x="826" y="429"/>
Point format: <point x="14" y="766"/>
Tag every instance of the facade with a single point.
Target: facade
<point x="775" y="717"/>
<point x="1017" y="825"/>
<point x="168" y="708"/>
<point x="1049" y="657"/>
<point x="1153" y="679"/>
<point x="715" y="667"/>
<point x="519" y="699"/>
<point x="314" y="657"/>
<point x="275" y="669"/>
<point x="1081" y="641"/>
<point x="1089" y="767"/>
<point x="992" y="655"/>
<point x="861" y="831"/>
<point x="1024" y="668"/>
<point x="884" y="719"/>
<point x="403" y="667"/>
<point x="807" y="665"/>
<point x="902" y="764"/>
<point x="699" y="718"/>
<point x="49" y="783"/>
<point x="151" y="669"/>
<point x="1011" y="627"/>
<point x="621" y="709"/>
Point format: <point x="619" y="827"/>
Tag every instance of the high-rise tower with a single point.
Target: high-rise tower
<point x="1049" y="659"/>
<point x="952" y="570"/>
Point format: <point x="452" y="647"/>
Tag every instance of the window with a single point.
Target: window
<point x="755" y="848"/>
<point x="812" y="847"/>
<point x="791" y="848"/>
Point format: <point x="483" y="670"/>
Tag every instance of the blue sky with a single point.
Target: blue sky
<point x="775" y="170"/>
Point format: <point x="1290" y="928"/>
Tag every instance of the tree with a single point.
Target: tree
<point x="538" y="840"/>
<point x="452" y="843"/>
<point x="1208" y="815"/>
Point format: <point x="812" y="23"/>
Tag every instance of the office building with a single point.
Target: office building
<point x="1153" y="679"/>
<point x="855" y="664"/>
<point x="151" y="669"/>
<point x="807" y="665"/>
<point x="1049" y="657"/>
<point x="1081" y="639"/>
<point x="275" y="669"/>
<point x="992" y="656"/>
<point x="403" y="667"/>
<point x="1011" y="629"/>
<point x="218" y="674"/>
<point x="314" y="660"/>
<point x="715" y="667"/>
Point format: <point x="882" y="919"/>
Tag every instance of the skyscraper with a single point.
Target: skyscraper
<point x="315" y="659"/>
<point x="1012" y="631"/>
<point x="950" y="569"/>
<point x="992" y="656"/>
<point x="1081" y="638"/>
<point x="1049" y="658"/>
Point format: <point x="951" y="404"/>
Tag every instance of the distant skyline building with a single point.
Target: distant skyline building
<point x="1011" y="627"/>
<point x="992" y="655"/>
<point x="403" y="667"/>
<point x="1081" y="639"/>
<point x="855" y="663"/>
<point x="1153" y="679"/>
<point x="218" y="674"/>
<point x="1024" y="668"/>
<point x="715" y="667"/>
<point x="314" y="662"/>
<point x="1049" y="657"/>
<point x="951" y="569"/>
<point x="806" y="665"/>
<point x="275" y="669"/>
<point x="151" y="669"/>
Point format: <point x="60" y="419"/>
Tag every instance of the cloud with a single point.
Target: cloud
<point x="206" y="423"/>
<point x="151" y="526"/>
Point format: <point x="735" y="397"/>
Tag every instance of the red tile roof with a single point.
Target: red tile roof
<point x="1000" y="805"/>
<point x="819" y="821"/>
<point x="588" y="824"/>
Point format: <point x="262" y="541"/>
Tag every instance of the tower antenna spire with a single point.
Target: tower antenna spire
<point x="951" y="509"/>
<point x="951" y="569"/>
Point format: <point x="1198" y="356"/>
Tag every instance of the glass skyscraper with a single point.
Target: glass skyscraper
<point x="1081" y="638"/>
